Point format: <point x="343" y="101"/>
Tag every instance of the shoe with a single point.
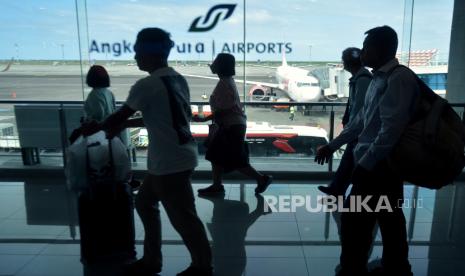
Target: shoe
<point x="328" y="190"/>
<point x="261" y="187"/>
<point x="262" y="207"/>
<point x="212" y="190"/>
<point x="134" y="184"/>
<point x="139" y="268"/>
<point x="196" y="271"/>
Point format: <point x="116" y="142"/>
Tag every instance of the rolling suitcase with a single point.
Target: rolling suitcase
<point x="106" y="216"/>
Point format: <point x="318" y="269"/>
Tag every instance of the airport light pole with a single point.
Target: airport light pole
<point x="17" y="52"/>
<point x="62" y="52"/>
<point x="310" y="53"/>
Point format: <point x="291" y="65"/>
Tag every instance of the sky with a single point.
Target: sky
<point x="314" y="30"/>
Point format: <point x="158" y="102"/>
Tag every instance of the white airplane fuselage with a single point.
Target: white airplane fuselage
<point x="299" y="85"/>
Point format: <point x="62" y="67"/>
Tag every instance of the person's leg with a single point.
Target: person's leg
<point x="240" y="150"/>
<point x="217" y="172"/>
<point x="252" y="173"/>
<point x="147" y="208"/>
<point x="178" y="199"/>
<point x="217" y="186"/>
<point x="395" y="246"/>
<point x="357" y="229"/>
<point x="393" y="230"/>
<point x="356" y="240"/>
<point x="263" y="181"/>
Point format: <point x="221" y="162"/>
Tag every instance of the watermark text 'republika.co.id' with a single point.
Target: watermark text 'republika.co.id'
<point x="315" y="204"/>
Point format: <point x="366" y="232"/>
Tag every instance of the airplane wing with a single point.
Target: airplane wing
<point x="307" y="66"/>
<point x="262" y="66"/>
<point x="8" y="65"/>
<point x="267" y="84"/>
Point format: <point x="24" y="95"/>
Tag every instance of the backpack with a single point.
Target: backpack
<point x="430" y="151"/>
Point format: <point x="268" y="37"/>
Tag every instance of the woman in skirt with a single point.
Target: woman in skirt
<point x="226" y="149"/>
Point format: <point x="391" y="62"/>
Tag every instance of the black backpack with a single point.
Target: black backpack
<point x="430" y="152"/>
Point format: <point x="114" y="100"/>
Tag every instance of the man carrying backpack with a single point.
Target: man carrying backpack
<point x="358" y="85"/>
<point x="387" y="110"/>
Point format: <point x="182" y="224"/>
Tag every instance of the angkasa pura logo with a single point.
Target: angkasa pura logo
<point x="212" y="18"/>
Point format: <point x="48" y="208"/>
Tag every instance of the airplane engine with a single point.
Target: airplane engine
<point x="260" y="93"/>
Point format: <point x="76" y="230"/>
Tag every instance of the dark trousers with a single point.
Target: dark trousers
<point x="357" y="227"/>
<point x="174" y="191"/>
<point x="343" y="175"/>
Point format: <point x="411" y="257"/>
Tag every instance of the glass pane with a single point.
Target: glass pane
<point x="431" y="31"/>
<point x="290" y="55"/>
<point x="305" y="65"/>
<point x="42" y="63"/>
<point x="200" y="31"/>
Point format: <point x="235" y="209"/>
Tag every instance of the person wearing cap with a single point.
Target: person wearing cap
<point x="164" y="101"/>
<point x="227" y="150"/>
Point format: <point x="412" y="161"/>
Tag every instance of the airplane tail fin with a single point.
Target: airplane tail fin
<point x="8" y="65"/>
<point x="284" y="59"/>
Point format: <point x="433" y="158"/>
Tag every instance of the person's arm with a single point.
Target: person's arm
<point x="200" y="119"/>
<point x="136" y="122"/>
<point x="395" y="108"/>
<point x="117" y="119"/>
<point x="348" y="134"/>
<point x="112" y="125"/>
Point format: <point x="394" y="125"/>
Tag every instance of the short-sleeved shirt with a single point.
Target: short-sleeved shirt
<point x="164" y="100"/>
<point x="225" y="97"/>
<point x="100" y="103"/>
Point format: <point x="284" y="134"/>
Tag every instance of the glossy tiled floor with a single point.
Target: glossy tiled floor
<point x="39" y="235"/>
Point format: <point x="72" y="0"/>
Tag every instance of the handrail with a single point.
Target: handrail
<point x="248" y="103"/>
<point x="331" y="111"/>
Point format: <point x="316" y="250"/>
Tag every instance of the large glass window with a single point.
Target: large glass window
<point x="287" y="53"/>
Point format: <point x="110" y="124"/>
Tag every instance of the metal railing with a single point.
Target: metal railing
<point x="326" y="106"/>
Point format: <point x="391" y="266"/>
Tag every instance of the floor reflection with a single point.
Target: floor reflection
<point x="228" y="228"/>
<point x="39" y="234"/>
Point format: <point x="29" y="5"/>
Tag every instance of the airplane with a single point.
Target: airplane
<point x="297" y="84"/>
<point x="8" y="65"/>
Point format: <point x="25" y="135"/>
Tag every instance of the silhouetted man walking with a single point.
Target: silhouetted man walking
<point x="358" y="85"/>
<point x="164" y="100"/>
<point x="388" y="106"/>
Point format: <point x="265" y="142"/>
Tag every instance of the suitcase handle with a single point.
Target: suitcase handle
<point x="111" y="163"/>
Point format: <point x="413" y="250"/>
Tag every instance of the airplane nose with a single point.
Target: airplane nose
<point x="311" y="94"/>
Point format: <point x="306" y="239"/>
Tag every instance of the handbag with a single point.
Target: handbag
<point x="212" y="132"/>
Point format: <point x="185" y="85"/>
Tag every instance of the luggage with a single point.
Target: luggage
<point x="93" y="150"/>
<point x="430" y="152"/>
<point x="106" y="214"/>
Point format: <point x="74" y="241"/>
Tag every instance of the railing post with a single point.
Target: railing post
<point x="327" y="219"/>
<point x="63" y="131"/>
<point x="413" y="213"/>
<point x="450" y="225"/>
<point x="331" y="136"/>
<point x="242" y="192"/>
<point x="463" y="115"/>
